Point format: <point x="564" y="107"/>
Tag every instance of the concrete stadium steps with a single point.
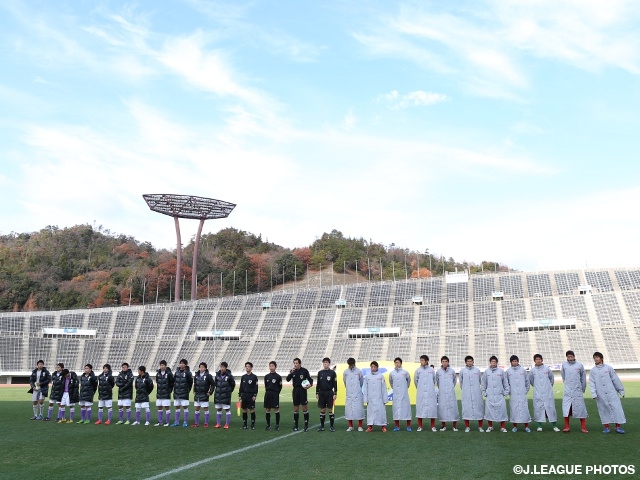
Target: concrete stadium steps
<point x="453" y="320"/>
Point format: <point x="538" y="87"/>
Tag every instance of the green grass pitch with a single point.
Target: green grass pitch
<point x="33" y="449"/>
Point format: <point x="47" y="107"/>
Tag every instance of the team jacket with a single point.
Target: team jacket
<point x="105" y="386"/>
<point x="57" y="386"/>
<point x="124" y="382"/>
<point x="88" y="387"/>
<point x="45" y="378"/>
<point x="203" y="386"/>
<point x="225" y="384"/>
<point x="164" y="382"/>
<point x="182" y="383"/>
<point x="144" y="386"/>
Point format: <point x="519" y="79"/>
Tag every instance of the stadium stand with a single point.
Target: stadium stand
<point x="451" y="319"/>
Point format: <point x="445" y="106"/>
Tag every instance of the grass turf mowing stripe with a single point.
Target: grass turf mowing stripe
<point x="233" y="452"/>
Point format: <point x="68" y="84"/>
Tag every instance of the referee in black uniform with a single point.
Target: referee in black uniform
<point x="299" y="374"/>
<point x="248" y="393"/>
<point x="272" y="389"/>
<point x="326" y="391"/>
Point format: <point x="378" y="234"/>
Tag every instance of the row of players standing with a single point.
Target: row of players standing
<point x="436" y="396"/>
<point x="495" y="385"/>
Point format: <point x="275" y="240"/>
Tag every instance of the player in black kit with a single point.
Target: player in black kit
<point x="272" y="389"/>
<point x="299" y="374"/>
<point x="326" y="391"/>
<point x="248" y="393"/>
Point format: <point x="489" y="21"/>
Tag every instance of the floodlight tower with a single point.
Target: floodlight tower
<point x="188" y="206"/>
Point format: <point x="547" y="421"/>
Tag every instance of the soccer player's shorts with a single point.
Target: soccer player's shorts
<point x="142" y="405"/>
<point x="85" y="404"/>
<point x="247" y="401"/>
<point x="125" y="402"/>
<point x="37" y="396"/>
<point x="201" y="404"/>
<point x="271" y="400"/>
<point x="105" y="403"/>
<point x="52" y="401"/>
<point x="220" y="406"/>
<point x="325" y="399"/>
<point x="299" y="396"/>
<point x="181" y="403"/>
<point x="163" y="402"/>
<point x="65" y="399"/>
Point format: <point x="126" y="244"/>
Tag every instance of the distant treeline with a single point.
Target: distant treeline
<point x="84" y="266"/>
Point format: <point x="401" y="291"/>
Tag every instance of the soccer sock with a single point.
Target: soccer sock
<point x="350" y="422"/>
<point x="159" y="416"/>
<point x="617" y="425"/>
<point x="490" y="423"/>
<point x="228" y="419"/>
<point x="397" y="422"/>
<point x="35" y="410"/>
<point x="480" y="423"/>
<point x="566" y="422"/>
<point x="82" y="414"/>
<point x="186" y="415"/>
<point x="100" y="415"/>
<point x="148" y="415"/>
<point x="244" y="418"/>
<point x="408" y="423"/>
<point x="306" y="418"/>
<point x="433" y="423"/>
<point x="218" y="418"/>
<point x="539" y="424"/>
<point x="176" y="416"/>
<point x="206" y="417"/>
<point x="296" y="418"/>
<point x="121" y="413"/>
<point x="196" y="417"/>
<point x="277" y="418"/>
<point x="167" y="416"/>
<point x="515" y="425"/>
<point x="268" y="417"/>
<point x="50" y="411"/>
<point x="253" y="418"/>
<point x="88" y="414"/>
<point x="137" y="415"/>
<point x="583" y="423"/>
<point x="466" y="423"/>
<point x="455" y="424"/>
<point x="606" y="425"/>
<point x="62" y="413"/>
<point x="359" y="423"/>
<point x="109" y="414"/>
<point x="322" y="420"/>
<point x="128" y="414"/>
<point x="72" y="413"/>
<point x="554" y="424"/>
<point x="503" y="424"/>
<point x="332" y="419"/>
<point x="444" y="424"/>
<point x="419" y="423"/>
<point x="526" y="425"/>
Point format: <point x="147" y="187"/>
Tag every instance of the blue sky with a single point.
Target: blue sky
<point x="480" y="130"/>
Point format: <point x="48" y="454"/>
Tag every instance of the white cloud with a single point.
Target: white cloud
<point x="416" y="98"/>
<point x="350" y="120"/>
<point x="485" y="46"/>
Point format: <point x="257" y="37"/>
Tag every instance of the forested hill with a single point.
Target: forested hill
<point x="81" y="266"/>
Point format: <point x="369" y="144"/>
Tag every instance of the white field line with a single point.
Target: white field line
<point x="233" y="452"/>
